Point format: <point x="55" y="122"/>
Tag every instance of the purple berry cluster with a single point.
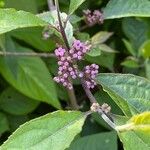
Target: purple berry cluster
<point x="78" y="50"/>
<point x="67" y="69"/>
<point x="92" y="18"/>
<point x="89" y="73"/>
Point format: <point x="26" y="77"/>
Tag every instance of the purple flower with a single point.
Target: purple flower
<point x="92" y="18"/>
<point x="78" y="50"/>
<point x="67" y="70"/>
<point x="89" y="73"/>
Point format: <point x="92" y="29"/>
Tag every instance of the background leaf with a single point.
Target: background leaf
<point x="127" y="8"/>
<point x="25" y="5"/>
<point x="131" y="93"/>
<point x="55" y="131"/>
<point x="102" y="141"/>
<point x="130" y="27"/>
<point x="13" y="102"/>
<point x="4" y="126"/>
<point x="74" y="4"/>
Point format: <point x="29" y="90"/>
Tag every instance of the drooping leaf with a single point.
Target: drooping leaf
<point x="74" y="4"/>
<point x="129" y="47"/>
<point x="101" y="37"/>
<point x="130" y="27"/>
<point x="10" y="19"/>
<point x="4" y="125"/>
<point x="130" y="92"/>
<point x="106" y="48"/>
<point x="135" y="133"/>
<point x="102" y="141"/>
<point x="13" y="102"/>
<point x="127" y="8"/>
<point x="29" y="75"/>
<point x="53" y="131"/>
<point x="130" y="63"/>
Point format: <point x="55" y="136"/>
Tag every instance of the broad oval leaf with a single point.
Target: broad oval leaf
<point x="29" y="75"/>
<point x="15" y="103"/>
<point x="53" y="131"/>
<point x="130" y="27"/>
<point x="11" y="19"/>
<point x="135" y="133"/>
<point x="101" y="141"/>
<point x="127" y="8"/>
<point x="74" y="4"/>
<point x="130" y="92"/>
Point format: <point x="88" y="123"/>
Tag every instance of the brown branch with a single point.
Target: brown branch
<point x="71" y="92"/>
<point x="30" y="54"/>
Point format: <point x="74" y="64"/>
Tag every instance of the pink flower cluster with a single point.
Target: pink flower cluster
<point x="67" y="71"/>
<point x="92" y="18"/>
<point x="89" y="73"/>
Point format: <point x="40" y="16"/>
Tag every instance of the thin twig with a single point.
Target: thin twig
<point x="61" y="26"/>
<point x="88" y="92"/>
<point x="71" y="92"/>
<point x="51" y="5"/>
<point x="30" y="54"/>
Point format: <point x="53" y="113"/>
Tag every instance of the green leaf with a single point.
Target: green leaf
<point x="130" y="92"/>
<point x="15" y="103"/>
<point x="74" y="4"/>
<point x="26" y="5"/>
<point x="102" y="141"/>
<point x="135" y="133"/>
<point x="53" y="131"/>
<point x="127" y="8"/>
<point x="145" y="49"/>
<point x="83" y="36"/>
<point x="130" y="63"/>
<point x="129" y="47"/>
<point x="95" y="51"/>
<point x="16" y="121"/>
<point x="29" y="75"/>
<point x="106" y="48"/>
<point x="100" y="37"/>
<point x="105" y="60"/>
<point x="36" y="40"/>
<point x="4" y="126"/>
<point x="130" y="27"/>
<point x="10" y="19"/>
